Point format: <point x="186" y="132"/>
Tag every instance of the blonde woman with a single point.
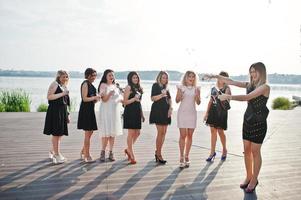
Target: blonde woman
<point x="189" y="95"/>
<point x="57" y="115"/>
<point x="255" y="123"/>
<point x="161" y="111"/>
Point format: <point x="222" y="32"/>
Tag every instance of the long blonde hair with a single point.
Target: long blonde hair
<point x="260" y="68"/>
<point x="196" y="78"/>
<point x="159" y="77"/>
<point x="59" y="74"/>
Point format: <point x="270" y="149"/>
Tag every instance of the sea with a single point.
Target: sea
<point x="37" y="88"/>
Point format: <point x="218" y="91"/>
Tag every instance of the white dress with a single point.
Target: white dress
<point x="187" y="114"/>
<point x="110" y="112"/>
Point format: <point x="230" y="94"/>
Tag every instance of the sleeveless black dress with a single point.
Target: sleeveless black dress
<point x="86" y="115"/>
<point x="255" y="123"/>
<point x="57" y="115"/>
<point x="159" y="109"/>
<point x="132" y="114"/>
<point x="217" y="115"/>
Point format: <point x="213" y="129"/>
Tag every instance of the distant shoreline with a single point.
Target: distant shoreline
<point x="149" y="75"/>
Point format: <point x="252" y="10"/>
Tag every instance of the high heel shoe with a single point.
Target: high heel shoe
<point x="158" y="160"/>
<point x="132" y="161"/>
<point x="224" y="157"/>
<point x="244" y="185"/>
<point x="211" y="157"/>
<point x="182" y="164"/>
<point x="127" y="154"/>
<point x="187" y="162"/>
<point x="249" y="190"/>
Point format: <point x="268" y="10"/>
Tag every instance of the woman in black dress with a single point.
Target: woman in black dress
<point x="161" y="111"/>
<point x="57" y="115"/>
<point x="133" y="114"/>
<point x="86" y="115"/>
<point x="216" y="117"/>
<point x="255" y="123"/>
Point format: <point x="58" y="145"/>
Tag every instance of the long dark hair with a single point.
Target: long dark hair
<point x="104" y="77"/>
<point x="134" y="87"/>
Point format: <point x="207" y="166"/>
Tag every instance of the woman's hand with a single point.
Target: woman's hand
<point x="142" y="118"/>
<point x="224" y="97"/>
<point x="169" y="112"/>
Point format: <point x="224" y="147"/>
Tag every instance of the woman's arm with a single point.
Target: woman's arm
<point x="228" y="81"/>
<point x="51" y="91"/>
<point x="84" y="91"/>
<point x="197" y="97"/>
<point x="105" y="97"/>
<point x="126" y="100"/>
<point x="179" y="95"/>
<point x="261" y="90"/>
<point x="207" y="111"/>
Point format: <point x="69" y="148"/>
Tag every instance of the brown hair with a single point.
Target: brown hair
<point x="260" y="68"/>
<point x="89" y="72"/>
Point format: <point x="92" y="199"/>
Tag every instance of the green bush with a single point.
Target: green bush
<point x="15" y="101"/>
<point x="42" y="107"/>
<point x="281" y="103"/>
<point x="2" y="108"/>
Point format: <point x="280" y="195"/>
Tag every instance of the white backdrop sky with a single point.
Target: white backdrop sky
<point x="202" y="35"/>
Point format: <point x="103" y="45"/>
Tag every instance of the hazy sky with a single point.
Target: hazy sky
<point x="202" y="35"/>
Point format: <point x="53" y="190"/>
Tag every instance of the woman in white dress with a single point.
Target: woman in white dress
<point x="110" y="113"/>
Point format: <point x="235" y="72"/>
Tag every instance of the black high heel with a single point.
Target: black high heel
<point x="244" y="185"/>
<point x="211" y="157"/>
<point x="161" y="161"/>
<point x="248" y="190"/>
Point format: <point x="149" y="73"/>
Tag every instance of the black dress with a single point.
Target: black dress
<point x="86" y="114"/>
<point x="159" y="110"/>
<point x="217" y="115"/>
<point x="255" y="123"/>
<point x="57" y="115"/>
<point x="132" y="114"/>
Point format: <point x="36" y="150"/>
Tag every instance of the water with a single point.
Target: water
<point x="38" y="87"/>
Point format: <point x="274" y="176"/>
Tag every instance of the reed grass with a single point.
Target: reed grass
<point x="15" y="101"/>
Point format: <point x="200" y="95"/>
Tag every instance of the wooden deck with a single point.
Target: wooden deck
<point x="27" y="173"/>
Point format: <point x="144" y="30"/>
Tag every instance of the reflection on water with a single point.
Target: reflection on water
<point x="37" y="88"/>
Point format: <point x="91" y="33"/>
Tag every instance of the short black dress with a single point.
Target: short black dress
<point x="159" y="109"/>
<point x="255" y="128"/>
<point x="57" y="115"/>
<point x="132" y="113"/>
<point x="217" y="115"/>
<point x="86" y="115"/>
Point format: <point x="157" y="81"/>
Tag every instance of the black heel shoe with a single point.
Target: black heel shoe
<point x="211" y="157"/>
<point x="244" y="185"/>
<point x="248" y="190"/>
<point x="161" y="161"/>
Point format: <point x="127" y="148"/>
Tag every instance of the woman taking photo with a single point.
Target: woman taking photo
<point x="133" y="114"/>
<point x="161" y="111"/>
<point x="57" y="115"/>
<point x="86" y="114"/>
<point x="255" y="123"/>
